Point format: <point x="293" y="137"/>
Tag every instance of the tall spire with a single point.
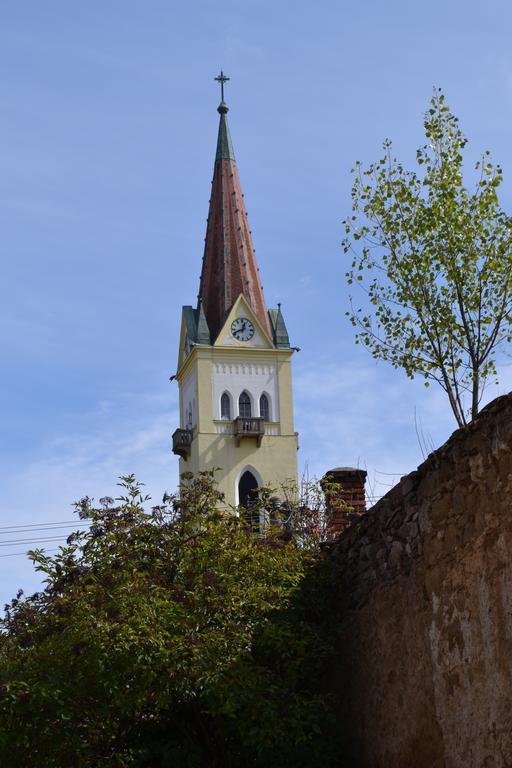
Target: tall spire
<point x="229" y="262"/>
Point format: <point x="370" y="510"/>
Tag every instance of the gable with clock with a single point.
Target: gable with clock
<point x="243" y="328"/>
<point x="234" y="362"/>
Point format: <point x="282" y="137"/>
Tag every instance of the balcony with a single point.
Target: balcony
<point x="252" y="426"/>
<point x="181" y="442"/>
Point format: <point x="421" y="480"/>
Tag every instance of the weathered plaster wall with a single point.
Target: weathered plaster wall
<point x="424" y="664"/>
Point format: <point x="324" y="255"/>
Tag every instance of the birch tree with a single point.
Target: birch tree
<point x="435" y="259"/>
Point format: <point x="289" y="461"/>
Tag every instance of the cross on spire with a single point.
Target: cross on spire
<point x="221" y="79"/>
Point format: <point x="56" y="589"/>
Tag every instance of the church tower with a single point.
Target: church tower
<point x="234" y="362"/>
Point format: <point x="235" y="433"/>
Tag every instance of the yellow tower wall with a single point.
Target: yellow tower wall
<point x="274" y="460"/>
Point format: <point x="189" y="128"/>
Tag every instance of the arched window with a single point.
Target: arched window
<point x="225" y="407"/>
<point x="189" y="416"/>
<point x="247" y="489"/>
<point x="247" y="497"/>
<point x="264" y="408"/>
<point x="244" y="405"/>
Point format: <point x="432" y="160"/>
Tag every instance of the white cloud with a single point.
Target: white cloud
<point x="84" y="462"/>
<point x="364" y="415"/>
<point x="370" y="416"/>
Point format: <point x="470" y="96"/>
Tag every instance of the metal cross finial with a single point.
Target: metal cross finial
<point x="221" y="79"/>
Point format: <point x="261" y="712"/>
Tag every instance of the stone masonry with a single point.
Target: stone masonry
<point x="424" y="662"/>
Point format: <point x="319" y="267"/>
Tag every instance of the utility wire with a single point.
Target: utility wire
<point x="33" y="529"/>
<point x="37" y="525"/>
<point x="14" y="554"/>
<point x="32" y="541"/>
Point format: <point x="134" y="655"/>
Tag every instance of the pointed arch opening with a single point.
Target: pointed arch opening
<point x="244" y="405"/>
<point x="225" y="407"/>
<point x="265" y="407"/>
<point x="247" y="499"/>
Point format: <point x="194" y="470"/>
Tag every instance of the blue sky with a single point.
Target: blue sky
<point x="108" y="128"/>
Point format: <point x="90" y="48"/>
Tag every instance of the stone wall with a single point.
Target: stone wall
<point x="424" y="663"/>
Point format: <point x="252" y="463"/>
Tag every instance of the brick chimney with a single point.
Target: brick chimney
<point x="351" y="494"/>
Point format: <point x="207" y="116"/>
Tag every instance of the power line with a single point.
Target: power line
<point x="14" y="554"/>
<point x="36" y="525"/>
<point x="31" y="541"/>
<point x="35" y="529"/>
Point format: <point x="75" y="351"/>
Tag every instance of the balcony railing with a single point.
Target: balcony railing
<point x="181" y="442"/>
<point x="252" y="426"/>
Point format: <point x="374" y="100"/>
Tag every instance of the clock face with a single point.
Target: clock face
<point x="242" y="329"/>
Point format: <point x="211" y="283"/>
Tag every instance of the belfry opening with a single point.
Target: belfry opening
<point x="247" y="497"/>
<point x="247" y="490"/>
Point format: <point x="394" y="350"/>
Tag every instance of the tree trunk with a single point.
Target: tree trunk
<point x="475" y="394"/>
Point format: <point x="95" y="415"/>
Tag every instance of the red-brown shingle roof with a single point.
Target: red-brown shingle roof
<point x="229" y="262"/>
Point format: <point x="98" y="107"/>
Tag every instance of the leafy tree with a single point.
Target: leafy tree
<point x="435" y="262"/>
<point x="169" y="637"/>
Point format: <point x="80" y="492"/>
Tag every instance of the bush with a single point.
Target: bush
<point x="169" y="637"/>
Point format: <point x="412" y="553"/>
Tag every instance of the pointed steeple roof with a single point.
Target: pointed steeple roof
<point x="229" y="262"/>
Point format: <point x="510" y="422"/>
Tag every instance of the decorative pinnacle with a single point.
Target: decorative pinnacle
<point x="222" y="108"/>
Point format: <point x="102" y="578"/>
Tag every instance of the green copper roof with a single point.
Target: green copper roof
<point x="196" y="325"/>
<point x="224" y="144"/>
<point x="190" y="323"/>
<point x="281" y="338"/>
<point x="203" y="333"/>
